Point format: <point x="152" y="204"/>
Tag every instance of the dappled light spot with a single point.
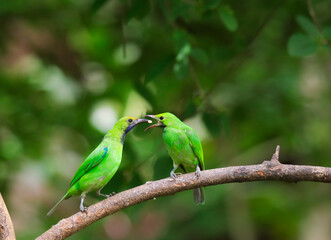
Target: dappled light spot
<point x="127" y="54"/>
<point x="97" y="79"/>
<point x="61" y="88"/>
<point x="197" y="124"/>
<point x="136" y="105"/>
<point x="118" y="226"/>
<point x="152" y="225"/>
<point x="103" y="116"/>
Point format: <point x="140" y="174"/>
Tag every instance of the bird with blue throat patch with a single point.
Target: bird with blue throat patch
<point x="183" y="146"/>
<point x="101" y="165"/>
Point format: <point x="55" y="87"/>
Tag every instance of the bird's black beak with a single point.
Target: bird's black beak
<point x="141" y="120"/>
<point x="151" y="116"/>
<point x="136" y="122"/>
<point x="158" y="124"/>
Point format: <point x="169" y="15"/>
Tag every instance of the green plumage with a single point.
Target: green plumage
<point x="183" y="146"/>
<point x="101" y="165"/>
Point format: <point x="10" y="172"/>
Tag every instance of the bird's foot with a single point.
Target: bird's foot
<point x="105" y="195"/>
<point x="197" y="172"/>
<point x="81" y="206"/>
<point x="83" y="209"/>
<point x="174" y="175"/>
<point x="108" y="195"/>
<point x="149" y="182"/>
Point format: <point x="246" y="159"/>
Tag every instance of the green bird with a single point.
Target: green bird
<point x="183" y="146"/>
<point x="101" y="165"/>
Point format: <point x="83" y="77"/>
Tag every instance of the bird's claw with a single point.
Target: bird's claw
<point x="110" y="195"/>
<point x="105" y="195"/>
<point x="173" y="176"/>
<point x="149" y="182"/>
<point x="83" y="209"/>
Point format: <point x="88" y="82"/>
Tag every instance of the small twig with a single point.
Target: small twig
<point x="261" y="172"/>
<point x="6" y="226"/>
<point x="315" y="20"/>
<point x="275" y="156"/>
<point x="274" y="161"/>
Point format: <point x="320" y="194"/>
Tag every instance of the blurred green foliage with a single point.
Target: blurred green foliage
<point x="246" y="75"/>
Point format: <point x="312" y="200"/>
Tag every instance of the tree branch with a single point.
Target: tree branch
<point x="268" y="170"/>
<point x="6" y="226"/>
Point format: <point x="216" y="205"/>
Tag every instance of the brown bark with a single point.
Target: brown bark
<point x="269" y="170"/>
<point x="6" y="226"/>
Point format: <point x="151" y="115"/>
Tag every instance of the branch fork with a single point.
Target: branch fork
<point x="274" y="161"/>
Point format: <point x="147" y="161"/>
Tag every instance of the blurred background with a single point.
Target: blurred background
<point x="245" y="75"/>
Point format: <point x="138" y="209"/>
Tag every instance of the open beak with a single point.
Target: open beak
<point x="158" y="124"/>
<point x="141" y="120"/>
<point x="136" y="122"/>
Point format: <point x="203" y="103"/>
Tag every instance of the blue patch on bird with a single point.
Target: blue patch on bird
<point x="129" y="128"/>
<point x="106" y="150"/>
<point x="126" y="132"/>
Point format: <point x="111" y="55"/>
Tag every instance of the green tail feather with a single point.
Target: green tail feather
<point x="53" y="209"/>
<point x="198" y="195"/>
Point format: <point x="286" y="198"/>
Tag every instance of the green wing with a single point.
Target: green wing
<point x="195" y="145"/>
<point x="90" y="162"/>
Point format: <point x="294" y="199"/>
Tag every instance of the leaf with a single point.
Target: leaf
<point x="228" y="18"/>
<point x="159" y="67"/>
<point x="300" y="45"/>
<point x="327" y="32"/>
<point x="199" y="55"/>
<point x="308" y="26"/>
<point x="183" y="53"/>
<point x="180" y="39"/>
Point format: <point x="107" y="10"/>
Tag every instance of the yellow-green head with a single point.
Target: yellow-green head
<point x="125" y="124"/>
<point x="164" y="120"/>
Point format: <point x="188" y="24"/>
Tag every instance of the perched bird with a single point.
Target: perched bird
<point x="183" y="146"/>
<point x="101" y="165"/>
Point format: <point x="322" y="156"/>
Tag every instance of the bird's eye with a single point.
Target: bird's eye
<point x="161" y="118"/>
<point x="129" y="120"/>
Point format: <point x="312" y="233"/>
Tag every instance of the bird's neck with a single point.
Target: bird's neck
<point x="171" y="127"/>
<point x="116" y="135"/>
